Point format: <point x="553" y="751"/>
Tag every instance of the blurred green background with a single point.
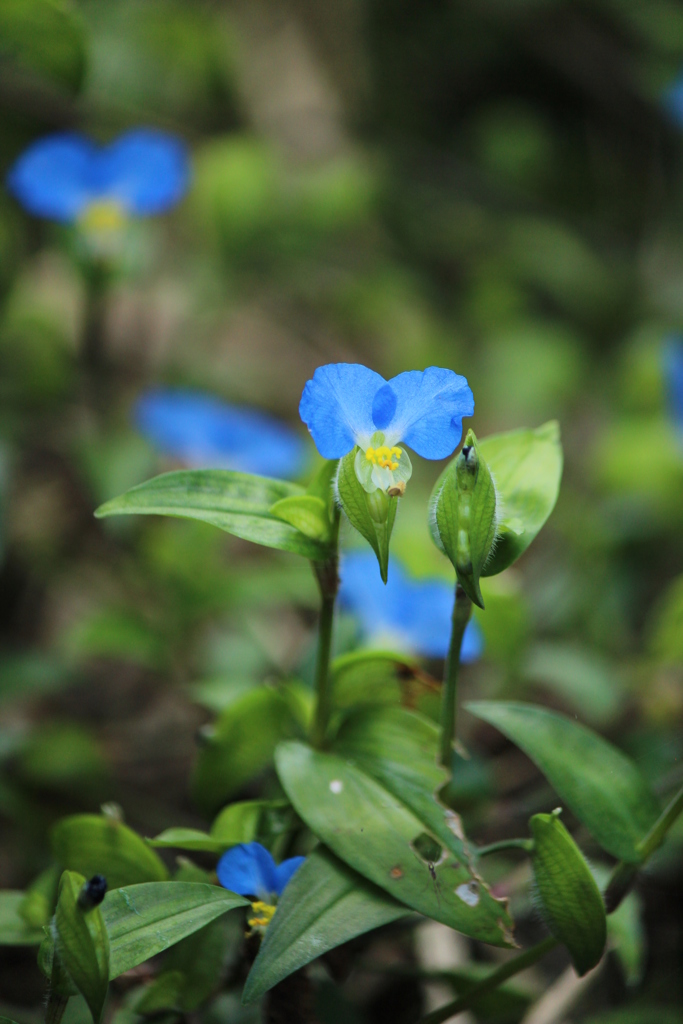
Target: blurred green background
<point x="493" y="186"/>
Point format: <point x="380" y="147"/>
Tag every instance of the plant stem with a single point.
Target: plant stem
<point x="496" y="978"/>
<point x="56" y="1005"/>
<point x="462" y="609"/>
<point x="624" y="873"/>
<point x="328" y="581"/>
<point x="505" y="844"/>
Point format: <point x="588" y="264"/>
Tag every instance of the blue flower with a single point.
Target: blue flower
<point x="673" y="371"/>
<point x="346" y="404"/>
<point x="201" y="430"/>
<point x="249" y="870"/>
<point x="673" y="100"/>
<point x="66" y="177"/>
<point x="415" y="612"/>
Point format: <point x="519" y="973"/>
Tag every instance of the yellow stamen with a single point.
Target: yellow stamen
<point x="102" y="217"/>
<point x="263" y="915"/>
<point x="384" y="457"/>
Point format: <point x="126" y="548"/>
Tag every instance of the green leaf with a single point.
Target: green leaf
<point x="321" y="485"/>
<point x="526" y="466"/>
<point x="188" y="839"/>
<point x="370" y="677"/>
<point x="237" y="823"/>
<point x="97" y="845"/>
<point x="626" y="936"/>
<point x="38" y="904"/>
<point x="241" y="745"/>
<point x="324" y="905"/>
<point x="14" y="929"/>
<point x="372" y="515"/>
<point x="464" y="515"/>
<point x="567" y="894"/>
<point x="82" y="943"/>
<point x="379" y="836"/>
<point x="164" y="993"/>
<point x="238" y="503"/>
<point x="307" y="513"/>
<point x="143" y="920"/>
<point x="45" y="37"/>
<point x="602" y="786"/>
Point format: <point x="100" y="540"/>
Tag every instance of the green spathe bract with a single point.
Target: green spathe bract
<point x="465" y="515"/>
<point x="372" y="514"/>
<point x="567" y="894"/>
<point x="82" y="943"/>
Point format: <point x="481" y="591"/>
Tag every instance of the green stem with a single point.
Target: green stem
<point x="624" y="873"/>
<point x="328" y="581"/>
<point x="505" y="844"/>
<point x="462" y="610"/>
<point x="496" y="978"/>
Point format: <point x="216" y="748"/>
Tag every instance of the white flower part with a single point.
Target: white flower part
<point x="381" y="466"/>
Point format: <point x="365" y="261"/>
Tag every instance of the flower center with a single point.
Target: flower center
<point x="384" y="457"/>
<point x="103" y="216"/>
<point x="263" y="914"/>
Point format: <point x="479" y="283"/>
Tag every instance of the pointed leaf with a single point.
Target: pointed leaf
<point x="372" y="515"/>
<point x="238" y="503"/>
<point x="143" y="920"/>
<point x="526" y="466"/>
<point x="324" y="905"/>
<point x="380" y="837"/>
<point x="567" y="894"/>
<point x="187" y="839"/>
<point x="93" y="844"/>
<point x="602" y="786"/>
<point x="82" y="943"/>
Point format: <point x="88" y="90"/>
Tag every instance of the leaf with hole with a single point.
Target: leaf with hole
<point x="238" y="503"/>
<point x="600" y="784"/>
<point x="324" y="905"/>
<point x="374" y="832"/>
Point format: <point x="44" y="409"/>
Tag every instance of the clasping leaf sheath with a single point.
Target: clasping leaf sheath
<point x="568" y="896"/>
<point x="464" y="516"/>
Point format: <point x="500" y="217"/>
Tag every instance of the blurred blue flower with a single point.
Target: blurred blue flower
<point x="249" y="870"/>
<point x="346" y="404"/>
<point x="672" y="99"/>
<point x="673" y="373"/>
<point x="415" y="612"/>
<point x="201" y="430"/>
<point x="66" y="177"/>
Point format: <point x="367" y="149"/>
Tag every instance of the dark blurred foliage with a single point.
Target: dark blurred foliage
<point x="489" y="185"/>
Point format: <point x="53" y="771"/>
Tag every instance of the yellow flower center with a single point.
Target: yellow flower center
<point x="385" y="458"/>
<point x="263" y="914"/>
<point x="104" y="216"/>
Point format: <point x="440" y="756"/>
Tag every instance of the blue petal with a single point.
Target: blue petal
<point x="416" y="611"/>
<point x="284" y="872"/>
<point x="673" y="371"/>
<point x="336" y="406"/>
<point x="249" y="870"/>
<point x="148" y="171"/>
<point x="429" y="411"/>
<point x="53" y="177"/>
<point x="202" y="431"/>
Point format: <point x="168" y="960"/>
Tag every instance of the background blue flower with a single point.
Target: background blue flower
<point x="203" y="431"/>
<point x="673" y="373"/>
<point x="673" y="100"/>
<point x="344" y="404"/>
<point x="249" y="870"/>
<point x="145" y="171"/>
<point x="417" y="612"/>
